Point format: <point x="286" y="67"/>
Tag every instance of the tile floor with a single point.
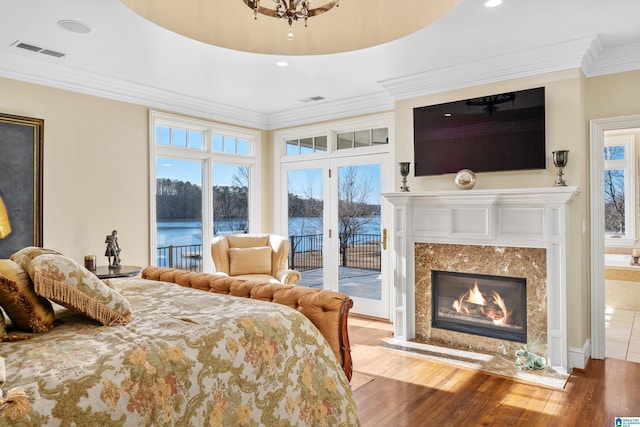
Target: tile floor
<point x="622" y="334"/>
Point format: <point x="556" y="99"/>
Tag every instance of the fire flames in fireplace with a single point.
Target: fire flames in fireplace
<point x="492" y="306"/>
<point x="475" y="303"/>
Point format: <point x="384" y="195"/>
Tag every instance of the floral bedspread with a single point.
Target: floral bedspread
<point x="188" y="358"/>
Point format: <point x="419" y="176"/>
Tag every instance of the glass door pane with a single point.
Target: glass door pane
<point x="179" y="213"/>
<point x="614" y="203"/>
<point x="230" y="199"/>
<point x="359" y="231"/>
<point x="305" y="209"/>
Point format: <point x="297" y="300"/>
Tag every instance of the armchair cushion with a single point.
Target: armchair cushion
<point x="249" y="260"/>
<point x="244" y="255"/>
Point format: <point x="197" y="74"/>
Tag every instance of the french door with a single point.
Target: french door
<point x="336" y="226"/>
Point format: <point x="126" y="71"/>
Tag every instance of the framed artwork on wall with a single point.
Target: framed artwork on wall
<point x="20" y="183"/>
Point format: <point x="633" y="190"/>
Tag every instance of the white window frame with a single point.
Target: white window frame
<point x="208" y="157"/>
<point x="629" y="166"/>
<point x="334" y="157"/>
<point x="330" y="129"/>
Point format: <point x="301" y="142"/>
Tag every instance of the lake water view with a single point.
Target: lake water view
<point x="189" y="232"/>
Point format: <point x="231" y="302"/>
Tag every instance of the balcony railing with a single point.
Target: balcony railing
<point x="359" y="251"/>
<point x="186" y="257"/>
<point x="305" y="252"/>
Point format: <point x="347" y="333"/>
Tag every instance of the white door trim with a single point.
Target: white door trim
<point x="596" y="180"/>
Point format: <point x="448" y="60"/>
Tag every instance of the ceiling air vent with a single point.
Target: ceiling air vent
<point x="52" y="53"/>
<point x="313" y="99"/>
<point x="29" y="47"/>
<point x="38" y="49"/>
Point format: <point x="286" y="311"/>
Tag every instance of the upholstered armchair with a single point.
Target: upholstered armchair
<point x="260" y="257"/>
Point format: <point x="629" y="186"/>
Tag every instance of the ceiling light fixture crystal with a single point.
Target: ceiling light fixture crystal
<point x="290" y="10"/>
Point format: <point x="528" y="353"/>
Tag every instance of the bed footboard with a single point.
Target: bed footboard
<point x="327" y="310"/>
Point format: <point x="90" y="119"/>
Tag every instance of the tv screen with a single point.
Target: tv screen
<point x="486" y="134"/>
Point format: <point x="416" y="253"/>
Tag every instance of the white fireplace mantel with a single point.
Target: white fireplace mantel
<point x="523" y="217"/>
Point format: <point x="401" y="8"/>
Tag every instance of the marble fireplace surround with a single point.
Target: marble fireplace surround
<point x="474" y="224"/>
<point x="530" y="263"/>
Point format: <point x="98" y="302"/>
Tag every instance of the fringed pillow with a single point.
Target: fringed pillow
<point x="18" y="298"/>
<point x="3" y="326"/>
<point x="25" y="255"/>
<point x="69" y="284"/>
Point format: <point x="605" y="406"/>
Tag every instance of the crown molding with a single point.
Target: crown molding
<point x="599" y="61"/>
<point x="60" y="76"/>
<point x="586" y="53"/>
<point x="331" y="110"/>
<point x="525" y="63"/>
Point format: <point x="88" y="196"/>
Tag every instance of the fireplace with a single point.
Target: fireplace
<point x="518" y="232"/>
<point x="486" y="305"/>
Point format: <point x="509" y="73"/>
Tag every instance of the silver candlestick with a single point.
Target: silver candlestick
<point x="404" y="171"/>
<point x="560" y="159"/>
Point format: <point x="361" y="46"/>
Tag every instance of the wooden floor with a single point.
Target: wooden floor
<point x="408" y="391"/>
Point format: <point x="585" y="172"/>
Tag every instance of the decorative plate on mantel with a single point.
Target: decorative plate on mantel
<point x="465" y="179"/>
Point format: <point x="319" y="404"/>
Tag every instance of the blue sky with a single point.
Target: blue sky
<point x="304" y="181"/>
<point x="189" y="170"/>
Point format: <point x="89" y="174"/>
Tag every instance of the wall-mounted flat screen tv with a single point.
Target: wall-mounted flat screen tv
<point x="500" y="132"/>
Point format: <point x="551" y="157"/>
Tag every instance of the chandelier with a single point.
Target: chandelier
<point x="290" y="10"/>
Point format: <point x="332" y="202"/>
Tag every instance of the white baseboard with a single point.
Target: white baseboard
<point x="578" y="357"/>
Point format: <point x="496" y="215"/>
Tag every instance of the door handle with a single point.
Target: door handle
<point x="384" y="239"/>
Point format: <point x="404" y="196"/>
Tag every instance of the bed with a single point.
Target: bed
<point x="184" y="358"/>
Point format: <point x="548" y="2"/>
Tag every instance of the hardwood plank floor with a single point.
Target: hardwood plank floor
<point x="410" y="391"/>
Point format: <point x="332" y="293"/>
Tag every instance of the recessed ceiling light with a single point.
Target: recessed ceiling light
<point x="75" y="26"/>
<point x="282" y="64"/>
<point x="492" y="3"/>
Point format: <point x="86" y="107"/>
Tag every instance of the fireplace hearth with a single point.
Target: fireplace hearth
<point x="479" y="304"/>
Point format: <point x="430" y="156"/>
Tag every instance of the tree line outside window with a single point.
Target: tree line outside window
<point x="614" y="190"/>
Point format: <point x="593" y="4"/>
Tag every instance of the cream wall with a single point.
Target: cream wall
<point x="95" y="169"/>
<point x="565" y="120"/>
<point x="613" y="95"/>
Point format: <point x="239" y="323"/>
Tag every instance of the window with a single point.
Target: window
<point x="230" y="198"/>
<point x="178" y="137"/>
<point x="344" y="140"/>
<point x="309" y="145"/>
<point x="203" y="185"/>
<point x="362" y="138"/>
<point x="230" y="145"/>
<point x="619" y="189"/>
